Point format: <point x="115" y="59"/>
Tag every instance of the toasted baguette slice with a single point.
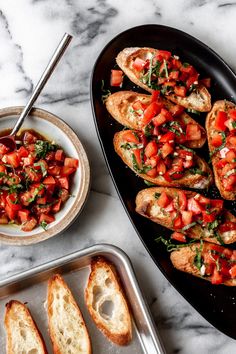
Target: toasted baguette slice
<point x="119" y="105"/>
<point x="211" y="131"/>
<point x="23" y="335"/>
<point x="183" y="259"/>
<point x="188" y="180"/>
<point x="147" y="206"/>
<point x="106" y="302"/>
<point x="67" y="328"/>
<point x="199" y="100"/>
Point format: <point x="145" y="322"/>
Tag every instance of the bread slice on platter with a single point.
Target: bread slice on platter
<point x="199" y="99"/>
<point x="199" y="177"/>
<point x="106" y="302"/>
<point x="195" y="215"/>
<point x="67" y="328"/>
<point x="207" y="261"/>
<point x="222" y="146"/>
<point x="120" y="106"/>
<point x="23" y="335"/>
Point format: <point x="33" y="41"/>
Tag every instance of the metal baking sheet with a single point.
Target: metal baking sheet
<point x="31" y="287"/>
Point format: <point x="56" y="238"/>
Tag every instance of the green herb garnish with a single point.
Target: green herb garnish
<point x="149" y="184"/>
<point x="44" y="224"/>
<point x="43" y="147"/>
<point x="105" y="92"/>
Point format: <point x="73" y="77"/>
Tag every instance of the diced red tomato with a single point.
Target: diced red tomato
<point x="28" y="161"/>
<point x="176" y="110"/>
<point x="66" y="171"/>
<point x="203" y="200"/>
<point x="11" y="213"/>
<point x="217" y="140"/>
<point x="3" y="169"/>
<point x="220" y="120"/>
<point x="194" y="206"/>
<point x="139" y="106"/>
<point x="152" y="173"/>
<point x="34" y="176"/>
<point x="13" y="201"/>
<point x="29" y="138"/>
<point x="206" y="82"/>
<point x="174" y="75"/>
<point x="170" y="207"/>
<point x="232" y="114"/>
<point x="163" y="200"/>
<point x="116" y="78"/>
<point x="139" y="64"/>
<point x="54" y="170"/>
<point x="231" y="156"/>
<point x="216" y="278"/>
<point x="167" y="137"/>
<point x="217" y="203"/>
<point x="22" y="152"/>
<point x="59" y="155"/>
<point x="49" y="180"/>
<point x="232" y="140"/>
<point x="13" y="159"/>
<point x="71" y="162"/>
<point x="29" y="225"/>
<point x="64" y="182"/>
<point x="232" y="271"/>
<point x="166" y="150"/>
<point x="3" y="149"/>
<point x="178" y="236"/>
<point x="159" y="119"/>
<point x="23" y="215"/>
<point x="138" y="157"/>
<point x="57" y="206"/>
<point x="130" y="137"/>
<point x="229" y="183"/>
<point x="47" y="218"/>
<point x="208" y="217"/>
<point x="180" y="91"/>
<point x="151" y="111"/>
<point x="151" y="149"/>
<point x="182" y="200"/>
<point x="176" y="63"/>
<point x="227" y="226"/>
<point x="42" y="200"/>
<point x="177" y="222"/>
<point x="187" y="217"/>
<point x="165" y="54"/>
<point x="155" y="95"/>
<point x="193" y="132"/>
<point x="161" y="168"/>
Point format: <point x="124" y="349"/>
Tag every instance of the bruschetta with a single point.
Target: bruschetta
<point x="221" y="134"/>
<point x="154" y="69"/>
<point x="208" y="261"/>
<point x="154" y="116"/>
<point x="189" y="213"/>
<point x="160" y="161"/>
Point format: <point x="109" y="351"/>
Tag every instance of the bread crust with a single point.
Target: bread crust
<point x="200" y="100"/>
<point x="118" y="105"/>
<point x="183" y="260"/>
<point x="13" y="307"/>
<point x="123" y="337"/>
<point x="190" y="180"/>
<point x="55" y="282"/>
<point x="145" y="200"/>
<point x="210" y="120"/>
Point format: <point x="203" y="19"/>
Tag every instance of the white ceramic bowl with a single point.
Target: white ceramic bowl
<point x="53" y="129"/>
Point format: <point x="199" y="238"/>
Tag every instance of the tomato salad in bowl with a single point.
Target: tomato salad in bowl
<point x="44" y="183"/>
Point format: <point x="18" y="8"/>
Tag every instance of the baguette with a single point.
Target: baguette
<point x="119" y="105"/>
<point x="147" y="205"/>
<point x="189" y="179"/>
<point x="199" y="99"/>
<point x="23" y="336"/>
<point x="106" y="302"/>
<point x="206" y="261"/>
<point x="227" y="191"/>
<point x="67" y="328"/>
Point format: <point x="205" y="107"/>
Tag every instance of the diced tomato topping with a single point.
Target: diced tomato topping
<point x="166" y="150"/>
<point x="170" y="207"/>
<point x="159" y="119"/>
<point x="64" y="182"/>
<point x="180" y="91"/>
<point x="138" y="157"/>
<point x="47" y="218"/>
<point x="203" y="200"/>
<point x="182" y="200"/>
<point x="177" y="222"/>
<point x="57" y="206"/>
<point x="229" y="183"/>
<point x="54" y="170"/>
<point x="217" y="203"/>
<point x="194" y="206"/>
<point x="231" y="156"/>
<point x="13" y="201"/>
<point x="232" y="114"/>
<point x="220" y="120"/>
<point x="71" y="162"/>
<point x="22" y="152"/>
<point x="164" y="54"/>
<point x="208" y="217"/>
<point x="59" y="155"/>
<point x="116" y="78"/>
<point x="232" y="140"/>
<point x="49" y="180"/>
<point x="23" y="215"/>
<point x="232" y="271"/>
<point x="29" y="138"/>
<point x="227" y="226"/>
<point x="217" y="140"/>
<point x="29" y="225"/>
<point x="161" y="168"/>
<point x="130" y="137"/>
<point x="155" y="95"/>
<point x="13" y="159"/>
<point x="151" y="149"/>
<point x="178" y="236"/>
<point x="176" y="110"/>
<point x="193" y="132"/>
<point x="151" y="111"/>
<point x="3" y="149"/>
<point x="34" y="176"/>
<point x="167" y="137"/>
<point x="11" y="213"/>
<point x="139" y="64"/>
<point x="187" y="217"/>
<point x="163" y="200"/>
<point x="216" y="278"/>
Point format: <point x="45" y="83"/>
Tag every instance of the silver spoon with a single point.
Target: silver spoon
<point x="9" y="140"/>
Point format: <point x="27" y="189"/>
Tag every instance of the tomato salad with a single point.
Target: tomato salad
<point x="34" y="181"/>
<point x="224" y="142"/>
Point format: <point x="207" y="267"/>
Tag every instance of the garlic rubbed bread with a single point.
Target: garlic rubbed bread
<point x="188" y="212"/>
<point x="165" y="164"/>
<point x="208" y="261"/>
<point x="132" y="110"/>
<point x="221" y="134"/>
<point x="67" y="328"/>
<point x="23" y="336"/>
<point x="153" y="69"/>
<point x="106" y="302"/>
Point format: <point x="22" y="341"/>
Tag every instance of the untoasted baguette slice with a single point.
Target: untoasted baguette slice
<point x="147" y="206"/>
<point x="188" y="180"/>
<point x="199" y="100"/>
<point x="67" y="328"/>
<point x="106" y="302"/>
<point x="184" y="259"/>
<point x="222" y="105"/>
<point x="23" y="335"/>
<point x="119" y="105"/>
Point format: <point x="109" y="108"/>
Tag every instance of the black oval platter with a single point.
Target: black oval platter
<point x="216" y="303"/>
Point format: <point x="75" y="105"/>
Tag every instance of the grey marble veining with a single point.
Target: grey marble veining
<point x="29" y="31"/>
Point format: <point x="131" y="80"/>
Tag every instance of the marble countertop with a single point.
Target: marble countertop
<point x="29" y="32"/>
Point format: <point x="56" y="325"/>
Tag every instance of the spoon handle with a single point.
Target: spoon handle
<point x="44" y="78"/>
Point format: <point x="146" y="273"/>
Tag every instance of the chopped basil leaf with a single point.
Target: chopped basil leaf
<point x="219" y="238"/>
<point x="185" y="65"/>
<point x="198" y="261"/>
<point x="186" y="227"/>
<point x="166" y="69"/>
<point x="157" y="195"/>
<point x="213" y="225"/>
<point x="234" y="124"/>
<point x="43" y="169"/>
<point x="105" y="92"/>
<point x="44" y="224"/>
<point x="128" y="146"/>
<point x="43" y="147"/>
<point x="193" y="111"/>
<point x="148" y="129"/>
<point x="185" y="148"/>
<point x="172" y="246"/>
<point x="149" y="184"/>
<point x="197" y="171"/>
<point x="144" y="169"/>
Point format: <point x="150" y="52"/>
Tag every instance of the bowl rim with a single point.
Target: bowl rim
<point x="79" y="201"/>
